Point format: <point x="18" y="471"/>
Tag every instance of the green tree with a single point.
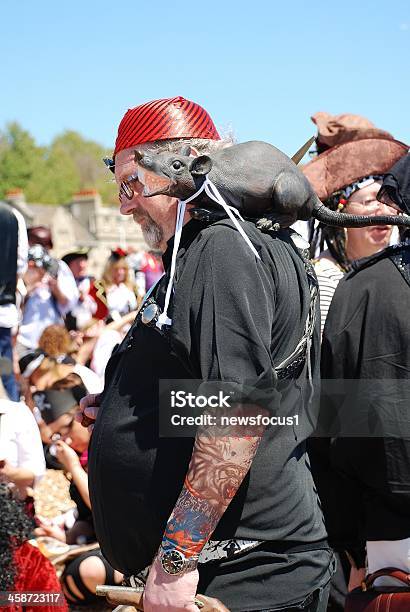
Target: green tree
<point x="52" y="174"/>
<point x="87" y="157"/>
<point x="72" y="164"/>
<point x="20" y="158"/>
<point x="55" y="181"/>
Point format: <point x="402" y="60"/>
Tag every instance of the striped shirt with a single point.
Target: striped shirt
<point x="328" y="275"/>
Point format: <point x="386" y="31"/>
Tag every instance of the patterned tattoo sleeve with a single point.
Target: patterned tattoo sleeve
<point x="219" y="463"/>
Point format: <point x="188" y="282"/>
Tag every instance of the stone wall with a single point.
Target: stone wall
<point x="83" y="222"/>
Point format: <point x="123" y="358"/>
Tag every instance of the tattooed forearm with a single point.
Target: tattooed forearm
<point x="219" y="463"/>
<point x="191" y="523"/>
<point x="218" y="466"/>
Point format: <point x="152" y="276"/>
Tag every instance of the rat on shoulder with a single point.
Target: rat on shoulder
<point x="254" y="177"/>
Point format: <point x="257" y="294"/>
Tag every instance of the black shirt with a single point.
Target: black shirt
<point x="364" y="476"/>
<point x="233" y="318"/>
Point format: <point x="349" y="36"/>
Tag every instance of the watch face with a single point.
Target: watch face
<point x="173" y="562"/>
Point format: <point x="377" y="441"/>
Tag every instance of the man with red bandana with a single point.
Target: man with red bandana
<point x="227" y="512"/>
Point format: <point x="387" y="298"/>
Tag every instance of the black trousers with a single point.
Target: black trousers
<point x="316" y="602"/>
<point x="270" y="579"/>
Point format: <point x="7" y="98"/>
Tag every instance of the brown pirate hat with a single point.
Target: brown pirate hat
<point x="350" y="147"/>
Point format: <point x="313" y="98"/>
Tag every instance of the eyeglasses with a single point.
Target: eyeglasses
<point x="126" y="189"/>
<point x="64" y="431"/>
<point x="125" y="186"/>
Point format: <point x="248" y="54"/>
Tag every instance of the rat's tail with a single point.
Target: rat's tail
<point x="338" y="219"/>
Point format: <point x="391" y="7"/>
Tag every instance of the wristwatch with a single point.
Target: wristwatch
<point x="175" y="562"/>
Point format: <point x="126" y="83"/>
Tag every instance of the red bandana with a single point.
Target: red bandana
<point x="164" y="119"/>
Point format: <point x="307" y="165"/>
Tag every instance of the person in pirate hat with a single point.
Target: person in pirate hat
<point x="366" y="493"/>
<point x="230" y="514"/>
<point x="353" y="156"/>
<point x="84" y="310"/>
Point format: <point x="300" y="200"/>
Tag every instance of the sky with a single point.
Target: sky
<point x="261" y="67"/>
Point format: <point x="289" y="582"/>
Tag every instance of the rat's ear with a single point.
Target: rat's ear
<point x="201" y="165"/>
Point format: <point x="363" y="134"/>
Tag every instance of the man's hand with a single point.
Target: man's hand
<point x="89" y="406"/>
<point x="167" y="593"/>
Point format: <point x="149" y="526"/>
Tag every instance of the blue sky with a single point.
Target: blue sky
<point x="260" y="67"/>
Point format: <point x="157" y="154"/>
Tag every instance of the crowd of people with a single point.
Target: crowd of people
<point x="273" y="519"/>
<point x="59" y="328"/>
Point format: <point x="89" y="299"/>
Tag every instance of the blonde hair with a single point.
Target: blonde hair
<point x="111" y="264"/>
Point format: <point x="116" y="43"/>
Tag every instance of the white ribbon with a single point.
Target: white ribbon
<point x="163" y="318"/>
<point x="212" y="192"/>
<point x="209" y="187"/>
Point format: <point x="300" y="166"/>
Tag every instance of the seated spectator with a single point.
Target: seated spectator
<point x="114" y="293"/>
<point x="56" y="343"/>
<point x="21" y="453"/>
<point x="22" y="566"/>
<point x="40" y="371"/>
<point x="53" y="361"/>
<point x="81" y="576"/>
<point x="51" y="294"/>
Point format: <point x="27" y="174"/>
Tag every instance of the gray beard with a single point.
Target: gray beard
<point x="153" y="233"/>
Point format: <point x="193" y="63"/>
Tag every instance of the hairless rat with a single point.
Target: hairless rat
<point x="254" y="177"/>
